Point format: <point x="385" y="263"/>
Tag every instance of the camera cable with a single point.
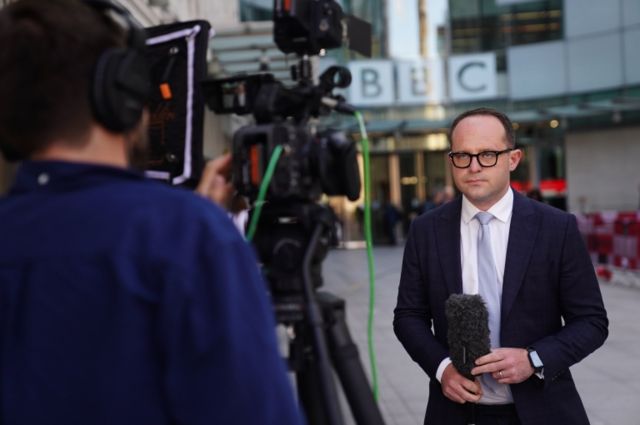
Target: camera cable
<point x="253" y="225"/>
<point x="262" y="193"/>
<point x="369" y="244"/>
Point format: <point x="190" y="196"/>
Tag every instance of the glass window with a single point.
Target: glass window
<point x="256" y="10"/>
<point x="481" y="25"/>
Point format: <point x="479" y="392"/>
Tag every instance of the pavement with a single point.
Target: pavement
<point x="608" y="380"/>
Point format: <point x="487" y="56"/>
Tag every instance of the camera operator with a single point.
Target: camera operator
<point x="122" y="301"/>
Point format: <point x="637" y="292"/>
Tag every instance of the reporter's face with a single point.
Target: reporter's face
<point x="483" y="186"/>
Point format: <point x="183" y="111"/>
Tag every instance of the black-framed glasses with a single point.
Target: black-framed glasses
<point x="485" y="158"/>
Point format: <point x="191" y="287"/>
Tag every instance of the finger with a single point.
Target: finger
<point x="466" y="389"/>
<point x="488" y="358"/>
<point x="455" y="398"/>
<point x="453" y="395"/>
<point x="453" y="389"/>
<point x="221" y="191"/>
<point x="465" y="396"/>
<point x="219" y="166"/>
<point x="505" y="381"/>
<point x="474" y="387"/>
<point x="222" y="164"/>
<point x="206" y="178"/>
<point x="488" y="368"/>
<point x="510" y="376"/>
<point x="471" y="391"/>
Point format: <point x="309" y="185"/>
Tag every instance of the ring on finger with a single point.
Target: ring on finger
<point x="500" y="373"/>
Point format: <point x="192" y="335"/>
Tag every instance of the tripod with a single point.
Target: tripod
<point x="321" y="339"/>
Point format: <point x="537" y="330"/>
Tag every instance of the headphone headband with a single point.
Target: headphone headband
<point x="136" y="38"/>
<point x="121" y="79"/>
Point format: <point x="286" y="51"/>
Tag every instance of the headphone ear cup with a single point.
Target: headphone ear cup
<point x="120" y="88"/>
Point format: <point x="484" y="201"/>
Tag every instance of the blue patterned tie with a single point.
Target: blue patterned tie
<point x="488" y="285"/>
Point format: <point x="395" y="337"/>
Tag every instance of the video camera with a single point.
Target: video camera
<point x="313" y="162"/>
<point x="295" y="230"/>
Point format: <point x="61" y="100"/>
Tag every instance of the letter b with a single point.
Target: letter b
<point x="370" y="84"/>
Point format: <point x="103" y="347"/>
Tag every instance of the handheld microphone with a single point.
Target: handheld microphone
<point x="468" y="331"/>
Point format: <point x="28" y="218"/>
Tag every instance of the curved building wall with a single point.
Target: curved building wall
<point x="602" y="169"/>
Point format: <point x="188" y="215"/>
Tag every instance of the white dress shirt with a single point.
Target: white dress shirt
<point x="499" y="226"/>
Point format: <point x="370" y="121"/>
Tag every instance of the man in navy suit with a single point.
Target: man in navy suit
<point x="549" y="312"/>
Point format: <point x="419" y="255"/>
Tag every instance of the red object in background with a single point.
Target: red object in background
<point x="596" y="218"/>
<point x="628" y="215"/>
<point x="627" y="223"/>
<point x="627" y="228"/>
<point x="625" y="263"/>
<point x="603" y="273"/>
<point x="603" y="243"/>
<point x="522" y="187"/>
<point x="548" y="187"/>
<point x="553" y="187"/>
<point x="612" y="238"/>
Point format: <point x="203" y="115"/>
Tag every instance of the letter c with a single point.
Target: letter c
<point x="464" y="69"/>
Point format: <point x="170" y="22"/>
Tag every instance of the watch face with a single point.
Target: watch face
<point x="535" y="359"/>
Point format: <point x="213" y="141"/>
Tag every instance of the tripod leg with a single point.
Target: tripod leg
<point x="322" y="371"/>
<point x="308" y="379"/>
<point x="346" y="361"/>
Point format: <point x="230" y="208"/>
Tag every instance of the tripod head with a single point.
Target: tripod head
<point x="282" y="251"/>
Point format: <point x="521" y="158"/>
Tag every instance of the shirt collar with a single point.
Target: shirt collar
<point x="500" y="210"/>
<point x="62" y="175"/>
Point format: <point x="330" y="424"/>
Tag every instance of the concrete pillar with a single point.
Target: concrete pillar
<point x="421" y="190"/>
<point x="394" y="179"/>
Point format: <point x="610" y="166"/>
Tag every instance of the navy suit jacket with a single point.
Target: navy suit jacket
<point x="550" y="301"/>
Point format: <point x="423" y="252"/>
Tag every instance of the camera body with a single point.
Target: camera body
<point x="310" y="164"/>
<point x="306" y="27"/>
<point x="293" y="178"/>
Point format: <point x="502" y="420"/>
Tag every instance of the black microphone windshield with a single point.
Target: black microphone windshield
<point x="468" y="333"/>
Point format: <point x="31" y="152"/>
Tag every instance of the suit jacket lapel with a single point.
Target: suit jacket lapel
<point x="447" y="234"/>
<point x="522" y="234"/>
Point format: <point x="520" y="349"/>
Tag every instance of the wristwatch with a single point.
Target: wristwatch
<point x="535" y="361"/>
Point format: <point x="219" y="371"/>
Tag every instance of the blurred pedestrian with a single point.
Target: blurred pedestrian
<point x="391" y="216"/>
<point x="535" y="194"/>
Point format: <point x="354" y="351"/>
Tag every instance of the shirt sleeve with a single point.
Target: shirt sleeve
<point x="443" y="365"/>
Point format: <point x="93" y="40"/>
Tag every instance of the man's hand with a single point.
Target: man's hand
<point x="506" y="365"/>
<point x="214" y="184"/>
<point x="459" y="389"/>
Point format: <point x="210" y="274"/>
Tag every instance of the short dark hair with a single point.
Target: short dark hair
<point x="510" y="134"/>
<point x="49" y="51"/>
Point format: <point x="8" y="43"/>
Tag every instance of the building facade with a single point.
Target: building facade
<point x="567" y="72"/>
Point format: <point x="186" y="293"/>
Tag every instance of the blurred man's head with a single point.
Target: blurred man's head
<point x="483" y="155"/>
<point x="48" y="61"/>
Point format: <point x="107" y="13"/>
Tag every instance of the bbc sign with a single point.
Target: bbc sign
<point x="386" y="83"/>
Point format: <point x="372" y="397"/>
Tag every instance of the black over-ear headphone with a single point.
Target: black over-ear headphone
<point x="120" y="83"/>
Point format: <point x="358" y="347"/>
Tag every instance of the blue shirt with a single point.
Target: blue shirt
<point x="123" y="301"/>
